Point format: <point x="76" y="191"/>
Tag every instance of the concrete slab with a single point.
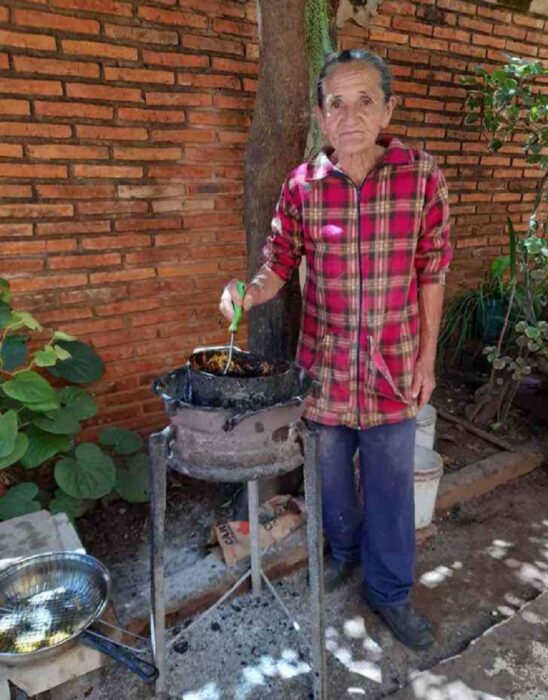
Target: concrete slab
<point x="510" y="660"/>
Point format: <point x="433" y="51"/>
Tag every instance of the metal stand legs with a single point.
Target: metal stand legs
<point x="313" y="498"/>
<point x="159" y="445"/>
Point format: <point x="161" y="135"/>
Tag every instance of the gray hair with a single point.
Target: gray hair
<point x="366" y="57"/>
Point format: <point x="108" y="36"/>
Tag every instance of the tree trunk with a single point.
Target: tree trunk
<point x="276" y="144"/>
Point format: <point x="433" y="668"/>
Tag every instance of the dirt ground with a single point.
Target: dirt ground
<point x="489" y="557"/>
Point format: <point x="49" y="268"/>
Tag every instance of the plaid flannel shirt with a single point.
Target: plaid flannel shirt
<point x="367" y="250"/>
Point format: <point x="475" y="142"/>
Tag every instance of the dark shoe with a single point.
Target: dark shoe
<point x="337" y="573"/>
<point x="407" y="624"/>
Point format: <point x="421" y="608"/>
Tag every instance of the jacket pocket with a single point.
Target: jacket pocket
<point x="391" y="383"/>
<point x="332" y="370"/>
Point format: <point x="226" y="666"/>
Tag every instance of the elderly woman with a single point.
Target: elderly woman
<point x="370" y="214"/>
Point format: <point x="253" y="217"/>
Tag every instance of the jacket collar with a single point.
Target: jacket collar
<point x="396" y="153"/>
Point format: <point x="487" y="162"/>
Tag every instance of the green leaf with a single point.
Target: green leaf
<point x="19" y="500"/>
<point x="20" y="319"/>
<point x="471" y="118"/>
<point x="19" y="449"/>
<point x="14" y="352"/>
<point x="29" y="387"/>
<point x="43" y="407"/>
<point x="8" y="432"/>
<point x="60" y="422"/>
<point x="5" y="294"/>
<point x="532" y="332"/>
<point x="5" y="314"/>
<point x="79" y="401"/>
<point x="59" y="335"/>
<point x="63" y="503"/>
<point x="45" y="358"/>
<point x="91" y="474"/>
<point x="61" y="353"/>
<point x="122" y="440"/>
<point x="43" y="446"/>
<point x="132" y="479"/>
<point x="83" y="366"/>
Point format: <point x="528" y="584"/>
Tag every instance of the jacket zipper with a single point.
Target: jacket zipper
<point x="359" y="246"/>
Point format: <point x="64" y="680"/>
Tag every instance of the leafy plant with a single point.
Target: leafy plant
<point x="40" y="422"/>
<point x="506" y="102"/>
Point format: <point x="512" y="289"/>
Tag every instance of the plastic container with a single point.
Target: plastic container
<point x="426" y="427"/>
<point x="428" y="471"/>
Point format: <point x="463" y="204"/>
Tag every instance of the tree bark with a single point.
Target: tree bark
<point x="276" y="144"/>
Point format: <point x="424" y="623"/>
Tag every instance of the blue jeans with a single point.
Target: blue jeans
<point x="381" y="534"/>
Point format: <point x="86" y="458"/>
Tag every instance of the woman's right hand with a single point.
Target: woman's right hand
<point x="230" y="298"/>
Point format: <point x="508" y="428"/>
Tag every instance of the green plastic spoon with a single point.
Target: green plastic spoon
<point x="233" y="328"/>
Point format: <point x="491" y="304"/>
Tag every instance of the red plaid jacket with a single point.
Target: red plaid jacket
<point x="367" y="250"/>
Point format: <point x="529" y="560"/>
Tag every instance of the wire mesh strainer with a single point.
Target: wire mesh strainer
<point x="48" y="599"/>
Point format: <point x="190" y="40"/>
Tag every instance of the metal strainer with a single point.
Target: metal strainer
<point x="49" y="600"/>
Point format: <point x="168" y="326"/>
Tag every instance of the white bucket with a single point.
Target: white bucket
<point x="428" y="471"/>
<point x="426" y="427"/>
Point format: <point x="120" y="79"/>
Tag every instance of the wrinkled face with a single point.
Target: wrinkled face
<point x="354" y="108"/>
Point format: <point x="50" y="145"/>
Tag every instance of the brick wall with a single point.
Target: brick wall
<point x="430" y="44"/>
<point x="122" y="128"/>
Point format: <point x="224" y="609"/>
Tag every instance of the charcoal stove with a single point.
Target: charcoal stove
<point x="223" y="443"/>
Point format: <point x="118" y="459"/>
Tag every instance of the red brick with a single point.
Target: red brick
<point x="176" y="60"/>
<point x="451" y="33"/>
<point x="105" y="7"/>
<point x="127" y="307"/>
<point x="150" y="115"/>
<point x="114" y="207"/>
<point x="408" y="56"/>
<point x="521" y="49"/>
<point x="250" y="85"/>
<point x="36" y="42"/>
<point x="408" y="25"/>
<point x="50" y="66"/>
<point x="188" y="269"/>
<point x="526" y="21"/>
<point x="116" y="242"/>
<point x="109" y="171"/>
<point x="467" y="50"/>
<point x="457" y="6"/>
<point x="56" y="131"/>
<point x="142" y="224"/>
<point x="4" y="14"/>
<point x="42" y="20"/>
<point x="395" y="7"/>
<point x="385" y="37"/>
<point x="492" y="41"/>
<point x="67" y="262"/>
<point x="102" y="92"/>
<point x="27" y="265"/>
<point x="141" y="35"/>
<point x="100" y="49"/>
<point x="202" y="43"/>
<point x="33" y="211"/>
<point x="405" y="87"/>
<point x="16" y="191"/>
<point x="112" y="277"/>
<point x="183" y="135"/>
<point x="15" y="229"/>
<point x="22" y="247"/>
<point x="122" y="153"/>
<point x="215" y="7"/>
<point x="419" y="103"/>
<point x="232" y="136"/>
<point x="432" y="75"/>
<point x="478" y="25"/>
<point x="14" y="107"/>
<point x="419" y="42"/>
<point x="110" y="133"/>
<point x="75" y="191"/>
<point x="139" y="75"/>
<point x="30" y="87"/>
<point x="230" y="102"/>
<point x="181" y="19"/>
<point x="178" y="99"/>
<point x="185" y="172"/>
<point x="209" y="81"/>
<point x="150" y="191"/>
<point x="447" y="91"/>
<point x="235" y="66"/>
<point x="32" y="171"/>
<point x="55" y="316"/>
<point x="66" y="152"/>
<point x="225" y="26"/>
<point x="11" y="150"/>
<point x="510" y="31"/>
<point x="537" y="38"/>
<point x="73" y="109"/>
<point x="221" y="118"/>
<point x="72" y="228"/>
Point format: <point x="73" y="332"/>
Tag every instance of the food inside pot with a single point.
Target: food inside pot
<point x="243" y="365"/>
